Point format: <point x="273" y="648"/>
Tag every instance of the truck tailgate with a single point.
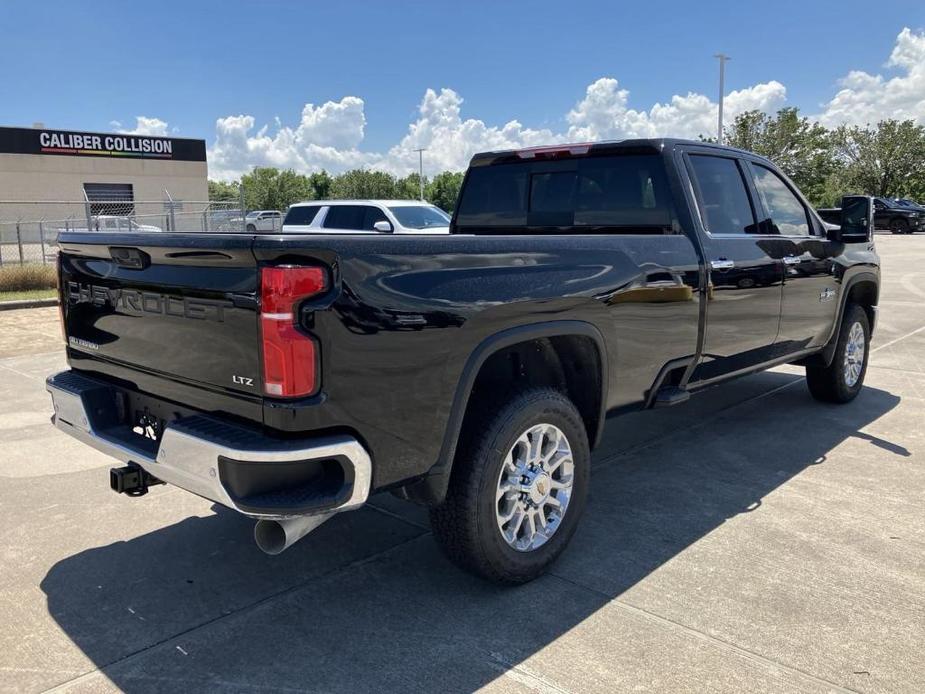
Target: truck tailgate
<point x="182" y="306"/>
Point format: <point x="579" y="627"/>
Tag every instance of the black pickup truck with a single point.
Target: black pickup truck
<point x="289" y="377"/>
<point x="888" y="214"/>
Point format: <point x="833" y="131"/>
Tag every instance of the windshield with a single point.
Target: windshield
<point x="420" y="216"/>
<point x="251" y="215"/>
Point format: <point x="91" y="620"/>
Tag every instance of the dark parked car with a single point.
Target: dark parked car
<point x="898" y="218"/>
<point x="888" y="214"/>
<point x="289" y="377"/>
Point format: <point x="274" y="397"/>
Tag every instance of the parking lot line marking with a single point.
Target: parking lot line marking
<point x="901" y="337"/>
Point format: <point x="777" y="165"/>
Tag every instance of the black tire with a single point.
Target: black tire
<point x="466" y="525"/>
<point x="898" y="225"/>
<point x="251" y="229"/>
<point x="829" y="383"/>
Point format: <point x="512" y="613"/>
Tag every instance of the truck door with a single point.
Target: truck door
<point x="808" y="306"/>
<point x="744" y="264"/>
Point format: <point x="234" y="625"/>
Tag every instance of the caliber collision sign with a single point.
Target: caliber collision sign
<point x="81" y="144"/>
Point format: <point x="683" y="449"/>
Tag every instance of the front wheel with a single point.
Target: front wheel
<point x="251" y="229"/>
<point x="843" y="379"/>
<point x="899" y="226"/>
<point x="518" y="488"/>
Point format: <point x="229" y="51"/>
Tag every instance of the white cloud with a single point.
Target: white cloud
<point x="330" y="136"/>
<point x="450" y="140"/>
<point x="326" y="137"/>
<point x="143" y="126"/>
<point x="865" y="98"/>
<point x="604" y="113"/>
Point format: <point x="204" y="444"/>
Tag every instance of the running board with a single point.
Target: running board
<point x="666" y="396"/>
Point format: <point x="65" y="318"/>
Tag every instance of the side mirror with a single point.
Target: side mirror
<point x="856" y="222"/>
<point x="383" y="226"/>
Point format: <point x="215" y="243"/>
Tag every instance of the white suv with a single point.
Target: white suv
<point x="366" y="217"/>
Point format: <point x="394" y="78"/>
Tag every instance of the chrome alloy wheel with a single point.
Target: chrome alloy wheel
<point x="854" y="354"/>
<point x="534" y="487"/>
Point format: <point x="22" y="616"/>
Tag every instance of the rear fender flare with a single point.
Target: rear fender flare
<point x="437" y="480"/>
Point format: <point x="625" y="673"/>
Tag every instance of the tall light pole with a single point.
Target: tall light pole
<point x="722" y="88"/>
<point x="421" y="169"/>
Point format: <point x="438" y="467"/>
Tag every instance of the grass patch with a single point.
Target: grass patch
<point x="22" y="295"/>
<point x="28" y="277"/>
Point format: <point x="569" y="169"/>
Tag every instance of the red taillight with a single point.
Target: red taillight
<point x="289" y="355"/>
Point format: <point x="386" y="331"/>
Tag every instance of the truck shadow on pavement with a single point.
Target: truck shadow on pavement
<point x="367" y="603"/>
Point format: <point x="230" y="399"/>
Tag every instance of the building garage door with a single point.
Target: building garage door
<point x="110" y="198"/>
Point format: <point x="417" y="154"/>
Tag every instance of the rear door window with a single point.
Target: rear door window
<point x="302" y="215"/>
<point x="349" y="217"/>
<point x="626" y="193"/>
<point x="725" y="206"/>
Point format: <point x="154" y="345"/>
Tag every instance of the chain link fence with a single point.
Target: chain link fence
<point x="29" y="229"/>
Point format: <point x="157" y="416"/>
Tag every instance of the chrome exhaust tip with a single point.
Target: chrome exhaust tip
<point x="276" y="536"/>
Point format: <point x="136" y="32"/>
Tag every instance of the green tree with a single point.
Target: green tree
<point x="443" y="190"/>
<point x="801" y="148"/>
<point x="267" y="188"/>
<point x="361" y="184"/>
<point x="409" y="187"/>
<point x="321" y="183"/>
<point x="887" y="160"/>
<point x="223" y="191"/>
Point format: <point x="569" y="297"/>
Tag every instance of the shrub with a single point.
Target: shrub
<point x="14" y="278"/>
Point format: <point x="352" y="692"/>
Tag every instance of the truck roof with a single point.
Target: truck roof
<point x="577" y="149"/>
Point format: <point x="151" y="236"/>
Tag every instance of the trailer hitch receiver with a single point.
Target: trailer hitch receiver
<point x="132" y="480"/>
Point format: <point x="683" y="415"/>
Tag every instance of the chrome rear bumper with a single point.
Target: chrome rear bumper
<point x="196" y="453"/>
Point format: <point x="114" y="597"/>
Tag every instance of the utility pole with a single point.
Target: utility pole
<point x="722" y="88"/>
<point x="421" y="169"/>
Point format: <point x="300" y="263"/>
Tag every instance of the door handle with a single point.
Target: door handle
<point x="792" y="260"/>
<point x="722" y="264"/>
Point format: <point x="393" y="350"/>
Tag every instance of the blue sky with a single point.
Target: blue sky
<point x="83" y="65"/>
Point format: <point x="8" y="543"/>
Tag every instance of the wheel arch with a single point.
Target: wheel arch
<point x="432" y="488"/>
<point x="862" y="289"/>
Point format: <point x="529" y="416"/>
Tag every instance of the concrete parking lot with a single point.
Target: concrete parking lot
<point x="749" y="540"/>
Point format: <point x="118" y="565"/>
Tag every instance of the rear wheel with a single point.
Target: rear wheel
<point x="899" y="226"/>
<point x="518" y="489"/>
<point x="843" y="379"/>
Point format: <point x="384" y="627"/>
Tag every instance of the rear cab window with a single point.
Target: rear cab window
<point x="623" y="193"/>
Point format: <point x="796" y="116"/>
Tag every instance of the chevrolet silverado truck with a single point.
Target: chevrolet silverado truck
<point x="290" y="377"/>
